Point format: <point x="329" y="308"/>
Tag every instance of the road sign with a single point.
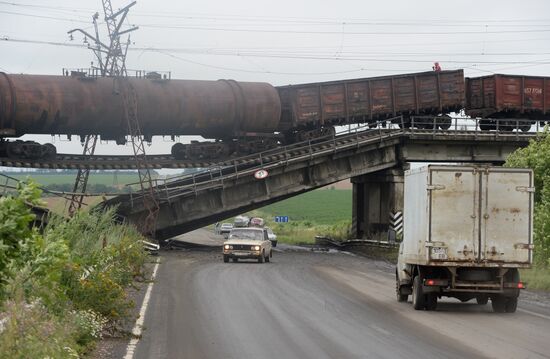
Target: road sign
<point x="261" y="174"/>
<point x="281" y="219"/>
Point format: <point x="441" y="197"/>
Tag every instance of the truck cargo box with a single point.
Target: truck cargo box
<point x="367" y="99"/>
<point x="468" y="216"/>
<point x="508" y="95"/>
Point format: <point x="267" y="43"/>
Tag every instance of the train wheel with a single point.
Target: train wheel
<point x="178" y="151"/>
<point x="444" y="122"/>
<point x="486" y="125"/>
<point x="49" y="151"/>
<point x="406" y="123"/>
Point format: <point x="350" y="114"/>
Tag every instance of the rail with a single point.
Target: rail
<point x="354" y="136"/>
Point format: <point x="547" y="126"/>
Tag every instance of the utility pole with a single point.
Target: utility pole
<point x="112" y="63"/>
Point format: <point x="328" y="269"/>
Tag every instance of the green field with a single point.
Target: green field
<point x="107" y="179"/>
<point x="319" y="212"/>
<point x="317" y="207"/>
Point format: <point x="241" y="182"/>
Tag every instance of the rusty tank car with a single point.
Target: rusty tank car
<point x="225" y="110"/>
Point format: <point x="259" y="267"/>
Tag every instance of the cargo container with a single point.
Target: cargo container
<point x="508" y="96"/>
<point x="370" y="99"/>
<point x="467" y="231"/>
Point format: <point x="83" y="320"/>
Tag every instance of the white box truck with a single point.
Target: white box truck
<point x="467" y="230"/>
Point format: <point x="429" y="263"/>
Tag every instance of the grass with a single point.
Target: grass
<point x="317" y="207"/>
<point x="107" y="179"/>
<point x="319" y="212"/>
<point x="59" y="205"/>
<point x="536" y="278"/>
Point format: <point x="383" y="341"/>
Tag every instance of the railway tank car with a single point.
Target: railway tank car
<point x="225" y="110"/>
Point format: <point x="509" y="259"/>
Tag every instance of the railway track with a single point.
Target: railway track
<point x="101" y="162"/>
<point x="120" y="162"/>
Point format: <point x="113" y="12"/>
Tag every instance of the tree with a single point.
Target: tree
<point x="537" y="157"/>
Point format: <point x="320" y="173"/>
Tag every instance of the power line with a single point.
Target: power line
<point x="170" y="51"/>
<point x="294" y="32"/>
<point x="305" y="20"/>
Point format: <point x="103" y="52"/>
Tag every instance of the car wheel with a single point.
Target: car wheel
<point x="261" y="258"/>
<point x="270" y="254"/>
<point x="400" y="297"/>
<point x="225" y="259"/>
<point x="418" y="297"/>
<point x="235" y="260"/>
<point x="498" y="302"/>
<point x="267" y="259"/>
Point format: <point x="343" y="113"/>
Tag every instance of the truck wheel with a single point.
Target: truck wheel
<point x="235" y="260"/>
<point x="498" y="302"/>
<point x="261" y="258"/>
<point x="431" y="301"/>
<point x="225" y="259"/>
<point x="482" y="299"/>
<point x="400" y="297"/>
<point x="418" y="297"/>
<point x="511" y="304"/>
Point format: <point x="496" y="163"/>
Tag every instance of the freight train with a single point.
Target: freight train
<point x="247" y="117"/>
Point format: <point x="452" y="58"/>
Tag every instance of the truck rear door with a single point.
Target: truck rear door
<point x="454" y="214"/>
<point x="507" y="205"/>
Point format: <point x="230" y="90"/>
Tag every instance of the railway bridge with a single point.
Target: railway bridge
<point x="374" y="159"/>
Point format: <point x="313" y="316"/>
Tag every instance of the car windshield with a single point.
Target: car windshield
<point x="246" y="234"/>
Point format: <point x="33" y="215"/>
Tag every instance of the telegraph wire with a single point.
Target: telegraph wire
<point x="305" y="20"/>
<point x="289" y="55"/>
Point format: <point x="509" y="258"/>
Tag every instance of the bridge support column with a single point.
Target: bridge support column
<point x="376" y="198"/>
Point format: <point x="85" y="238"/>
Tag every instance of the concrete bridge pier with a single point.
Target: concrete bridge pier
<point x="377" y="197"/>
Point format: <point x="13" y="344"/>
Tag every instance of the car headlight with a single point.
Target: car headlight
<point x="227" y="246"/>
<point x="256" y="248"/>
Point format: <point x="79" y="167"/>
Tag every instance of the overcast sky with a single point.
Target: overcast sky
<point x="285" y="42"/>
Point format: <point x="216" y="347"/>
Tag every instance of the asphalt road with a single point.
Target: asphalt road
<point x="320" y="305"/>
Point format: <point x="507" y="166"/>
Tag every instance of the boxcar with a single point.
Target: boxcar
<point x="370" y="99"/>
<point x="508" y="96"/>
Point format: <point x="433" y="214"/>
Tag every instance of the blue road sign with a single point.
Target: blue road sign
<point x="281" y="219"/>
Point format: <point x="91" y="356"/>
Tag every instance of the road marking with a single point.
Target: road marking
<point x="534" y="313"/>
<point x="136" y="331"/>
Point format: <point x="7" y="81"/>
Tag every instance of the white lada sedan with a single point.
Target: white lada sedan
<point x="247" y="243"/>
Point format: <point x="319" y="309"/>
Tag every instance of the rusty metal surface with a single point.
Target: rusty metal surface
<point x="363" y="100"/>
<point x="81" y="106"/>
<point x="508" y="94"/>
<point x="468" y="216"/>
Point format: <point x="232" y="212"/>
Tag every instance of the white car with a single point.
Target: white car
<point x="247" y="243"/>
<point x="225" y="228"/>
<point x="272" y="236"/>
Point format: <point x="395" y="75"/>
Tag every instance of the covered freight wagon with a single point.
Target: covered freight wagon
<point x="370" y="99"/>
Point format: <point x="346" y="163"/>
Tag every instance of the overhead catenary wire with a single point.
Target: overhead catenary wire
<point x="306" y="56"/>
<point x="304" y="20"/>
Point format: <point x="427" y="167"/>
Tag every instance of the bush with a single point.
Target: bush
<point x="29" y="330"/>
<point x="61" y="288"/>
<point x="537" y="157"/>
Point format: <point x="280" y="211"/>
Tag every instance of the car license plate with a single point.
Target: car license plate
<point x="439" y="253"/>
